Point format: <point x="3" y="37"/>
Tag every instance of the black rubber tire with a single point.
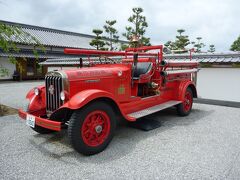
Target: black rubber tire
<point x="42" y="130"/>
<point x="75" y="126"/>
<point x="180" y="107"/>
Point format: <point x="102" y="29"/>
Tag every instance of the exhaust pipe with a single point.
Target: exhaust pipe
<point x="174" y="72"/>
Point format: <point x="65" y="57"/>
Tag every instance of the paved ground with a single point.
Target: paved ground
<point x="204" y="145"/>
<point x="13" y="94"/>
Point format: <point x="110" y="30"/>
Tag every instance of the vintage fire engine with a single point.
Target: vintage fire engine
<point x="89" y="101"/>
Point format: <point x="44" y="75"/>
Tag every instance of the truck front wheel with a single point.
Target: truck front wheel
<point x="91" y="128"/>
<point x="185" y="107"/>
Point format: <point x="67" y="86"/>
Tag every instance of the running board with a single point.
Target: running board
<point x="153" y="109"/>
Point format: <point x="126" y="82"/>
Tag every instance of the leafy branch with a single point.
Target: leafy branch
<point x="10" y="36"/>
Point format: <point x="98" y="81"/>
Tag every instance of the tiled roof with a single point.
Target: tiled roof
<point x="207" y="57"/>
<point x="53" y="37"/>
<point x="40" y="56"/>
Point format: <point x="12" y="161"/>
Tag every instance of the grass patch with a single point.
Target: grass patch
<point x="6" y="110"/>
<point x="236" y="65"/>
<point x="205" y="65"/>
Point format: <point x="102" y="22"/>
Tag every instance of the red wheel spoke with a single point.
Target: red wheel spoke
<point x="99" y="120"/>
<point x="93" y="135"/>
<point x="92" y="119"/>
<point x="187" y="101"/>
<point x="98" y="139"/>
<point x="86" y="131"/>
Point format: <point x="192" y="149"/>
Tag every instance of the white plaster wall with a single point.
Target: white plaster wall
<point x="59" y="68"/>
<point x="219" y="83"/>
<point x="8" y="65"/>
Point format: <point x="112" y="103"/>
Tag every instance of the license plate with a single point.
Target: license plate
<point x="30" y="120"/>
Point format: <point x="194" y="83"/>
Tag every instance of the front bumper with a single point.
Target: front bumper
<point x="45" y="123"/>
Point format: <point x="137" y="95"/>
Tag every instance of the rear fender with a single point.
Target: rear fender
<point x="183" y="87"/>
<point x="82" y="98"/>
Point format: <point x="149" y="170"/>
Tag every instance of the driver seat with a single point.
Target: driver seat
<point x="141" y="69"/>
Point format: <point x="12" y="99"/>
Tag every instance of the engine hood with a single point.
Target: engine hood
<point x="98" y="71"/>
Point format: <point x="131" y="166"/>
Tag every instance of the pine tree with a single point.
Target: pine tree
<point x="138" y="27"/>
<point x="112" y="37"/>
<point x="180" y="43"/>
<point x="97" y="42"/>
<point x="198" y="45"/>
<point x="236" y="45"/>
<point x="181" y="40"/>
<point x="123" y="47"/>
<point x="211" y="48"/>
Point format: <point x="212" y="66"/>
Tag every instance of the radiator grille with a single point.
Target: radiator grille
<point x="54" y="86"/>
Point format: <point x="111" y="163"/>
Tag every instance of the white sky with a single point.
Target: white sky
<point x="216" y="21"/>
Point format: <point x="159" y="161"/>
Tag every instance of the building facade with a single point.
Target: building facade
<point x="54" y="42"/>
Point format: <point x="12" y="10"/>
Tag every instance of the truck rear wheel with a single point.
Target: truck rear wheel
<point x="92" y="128"/>
<point x="185" y="107"/>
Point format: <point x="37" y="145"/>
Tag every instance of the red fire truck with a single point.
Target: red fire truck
<point x="89" y="101"/>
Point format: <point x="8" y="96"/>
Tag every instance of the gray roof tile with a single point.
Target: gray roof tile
<point x="207" y="57"/>
<point x="31" y="55"/>
<point x="53" y="37"/>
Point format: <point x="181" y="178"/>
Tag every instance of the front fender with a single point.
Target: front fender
<point x="36" y="104"/>
<point x="183" y="87"/>
<point x="31" y="94"/>
<point x="82" y="98"/>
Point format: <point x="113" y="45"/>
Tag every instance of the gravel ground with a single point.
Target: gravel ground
<point x="204" y="145"/>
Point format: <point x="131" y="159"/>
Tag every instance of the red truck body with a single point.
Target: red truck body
<point x="90" y="100"/>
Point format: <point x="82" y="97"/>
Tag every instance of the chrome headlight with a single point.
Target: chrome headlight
<point x="36" y="91"/>
<point x="62" y="96"/>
